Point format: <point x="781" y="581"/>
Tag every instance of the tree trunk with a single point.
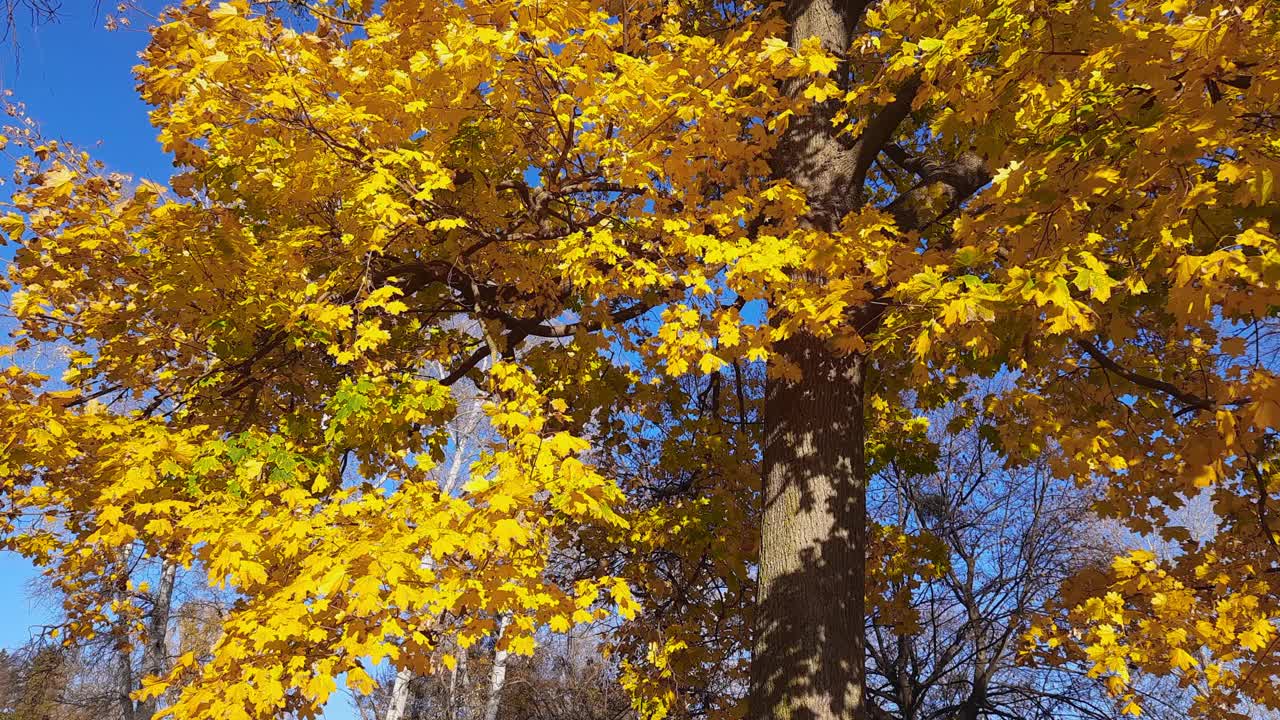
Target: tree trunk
<point x="404" y="677"/>
<point x="464" y="684"/>
<point x="809" y="649"/>
<point x="451" y="695"/>
<point x="124" y="682"/>
<point x="809" y="661"/>
<point x="498" y="674"/>
<point x="155" y="654"/>
<point x="399" y="695"/>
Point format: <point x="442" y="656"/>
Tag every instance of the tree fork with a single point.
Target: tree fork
<point x="809" y="661"/>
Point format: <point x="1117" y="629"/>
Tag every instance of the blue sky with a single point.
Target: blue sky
<point x="76" y="81"/>
<point x="75" y="78"/>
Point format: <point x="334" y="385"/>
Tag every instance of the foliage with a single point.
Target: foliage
<point x="571" y="206"/>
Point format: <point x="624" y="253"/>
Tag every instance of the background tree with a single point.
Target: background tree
<point x="36" y="685"/>
<point x="14" y="13"/>
<point x="949" y="644"/>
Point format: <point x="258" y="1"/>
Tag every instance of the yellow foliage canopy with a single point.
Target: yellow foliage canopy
<point x="570" y="206"/>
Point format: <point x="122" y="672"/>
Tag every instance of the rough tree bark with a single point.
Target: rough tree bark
<point x="399" y="694"/>
<point x="809" y="645"/>
<point x="809" y="650"/>
<point x="809" y="661"/>
<point x="124" y="682"/>
<point x="155" y="651"/>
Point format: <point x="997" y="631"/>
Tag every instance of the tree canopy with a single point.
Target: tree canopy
<point x="661" y="241"/>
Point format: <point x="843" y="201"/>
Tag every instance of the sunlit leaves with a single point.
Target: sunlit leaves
<point x="571" y="210"/>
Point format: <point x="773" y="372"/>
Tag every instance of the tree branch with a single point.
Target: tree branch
<point x="1173" y="391"/>
<point x="467" y="365"/>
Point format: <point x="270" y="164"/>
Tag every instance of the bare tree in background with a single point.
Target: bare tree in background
<point x="1013" y="534"/>
<point x="96" y="677"/>
<point x="566" y="679"/>
<point x="99" y="674"/>
<point x="33" y="684"/>
<point x="18" y="13"/>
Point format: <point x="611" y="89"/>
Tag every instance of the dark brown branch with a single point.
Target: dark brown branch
<point x="961" y="177"/>
<point x="1173" y="391"/>
<point x="880" y="129"/>
<point x="545" y="329"/>
<point x="93" y="396"/>
<point x="467" y="365"/>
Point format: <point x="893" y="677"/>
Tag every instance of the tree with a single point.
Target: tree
<point x="34" y="686"/>
<point x="885" y="203"/>
<point x="945" y="641"/>
<point x="467" y="433"/>
<point x="566" y="678"/>
<point x="34" y="11"/>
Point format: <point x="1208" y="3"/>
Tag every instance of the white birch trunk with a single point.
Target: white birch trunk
<point x="399" y="695"/>
<point x="400" y="688"/>
<point x="498" y="675"/>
